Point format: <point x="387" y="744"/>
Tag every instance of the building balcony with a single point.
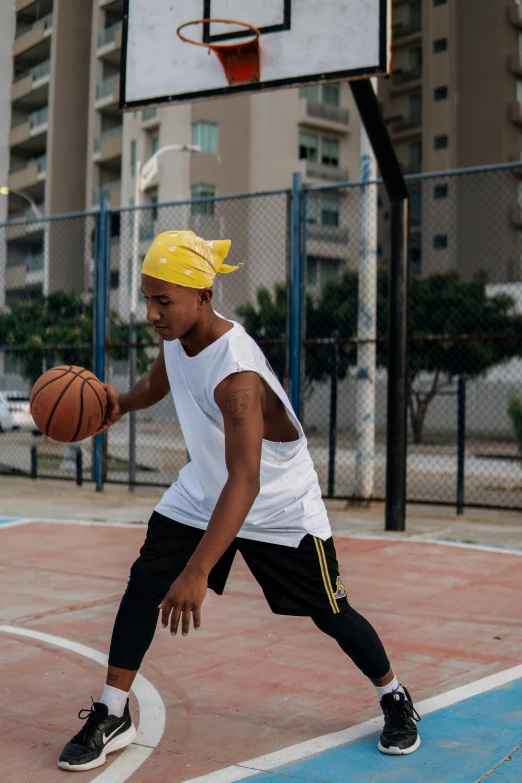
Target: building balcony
<point x="406" y="126"/>
<point x="515" y="112"/>
<point x="27" y="174"/>
<point x="516" y="216"/>
<point x="406" y="33"/>
<point x="108" y="145"/>
<point x="150" y="117"/>
<point x="111" y="191"/>
<point x="108" y="91"/>
<point x="325" y="172"/>
<point x="33" y="35"/>
<point x="326" y="112"/>
<point x="34" y="78"/>
<point x="515" y="64"/>
<point x="110" y="35"/>
<point x="24" y="130"/>
<point x="515" y="15"/>
<point x="318" y="231"/>
<point x="406" y="79"/>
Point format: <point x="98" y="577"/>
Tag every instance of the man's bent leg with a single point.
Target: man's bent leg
<point x="358" y="639"/>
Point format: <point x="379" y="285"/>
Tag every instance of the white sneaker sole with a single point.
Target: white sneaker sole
<point x="393" y="750"/>
<point x="117" y="743"/>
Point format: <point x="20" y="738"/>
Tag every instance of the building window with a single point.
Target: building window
<point x="133" y="158"/>
<point x="440" y="191"/>
<point x="308" y="144"/>
<point x="331" y="94"/>
<point x="440" y="45"/>
<point x="205" y="135"/>
<point x="520" y="143"/>
<point x="415" y="252"/>
<point x="520" y="245"/>
<point x="439" y="2"/>
<point x="312" y="208"/>
<point x="330" y="211"/>
<point x="415" y="206"/>
<point x="440" y="241"/>
<point x="415" y="14"/>
<point x="320" y="271"/>
<point x="416" y="105"/>
<point x="520" y="45"/>
<point x="203" y="207"/>
<point x="154" y="143"/>
<point x="440" y="142"/>
<point x="330" y="149"/>
<point x="519" y="193"/>
<point x="415" y="57"/>
<point x="415" y="153"/>
<point x="132" y="217"/>
<point x="519" y="91"/>
<point x="440" y="93"/>
<point x="309" y="93"/>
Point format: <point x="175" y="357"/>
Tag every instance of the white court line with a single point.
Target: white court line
<point x="152" y="709"/>
<point x="337" y="534"/>
<point x="246" y="769"/>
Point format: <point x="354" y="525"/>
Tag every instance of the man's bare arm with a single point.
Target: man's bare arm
<point x="149" y="390"/>
<point x="239" y="400"/>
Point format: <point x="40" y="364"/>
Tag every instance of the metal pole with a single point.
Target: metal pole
<point x="132" y="324"/>
<point x="366" y="100"/>
<point x="461" y="442"/>
<point x="366" y="328"/>
<point x="34" y="462"/>
<point x="333" y="420"/>
<point x="79" y="466"/>
<point x="132" y="414"/>
<point x="296" y="298"/>
<point x="101" y="287"/>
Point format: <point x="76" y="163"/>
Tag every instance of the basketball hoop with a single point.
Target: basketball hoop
<point x="240" y="61"/>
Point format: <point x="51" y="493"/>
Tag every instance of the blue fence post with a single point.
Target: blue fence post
<point x="295" y="321"/>
<point x="101" y="293"/>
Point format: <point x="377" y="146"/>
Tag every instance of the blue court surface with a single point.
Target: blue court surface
<point x="476" y="740"/>
<point x="4" y="520"/>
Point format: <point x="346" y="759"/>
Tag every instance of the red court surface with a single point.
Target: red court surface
<point x="248" y="683"/>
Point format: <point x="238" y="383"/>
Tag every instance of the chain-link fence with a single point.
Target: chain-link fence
<point x="465" y="315"/>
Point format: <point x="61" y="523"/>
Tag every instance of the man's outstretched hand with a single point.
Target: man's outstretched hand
<point x="183" y="600"/>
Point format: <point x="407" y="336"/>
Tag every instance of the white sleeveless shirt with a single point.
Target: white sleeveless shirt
<point x="289" y="504"/>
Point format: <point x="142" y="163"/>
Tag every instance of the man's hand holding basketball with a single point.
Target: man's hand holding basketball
<point x="183" y="600"/>
<point x="114" y="409"/>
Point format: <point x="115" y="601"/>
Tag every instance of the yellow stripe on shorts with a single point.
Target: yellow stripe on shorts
<point x="326" y="577"/>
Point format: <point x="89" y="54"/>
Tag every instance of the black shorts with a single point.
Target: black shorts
<point x="301" y="580"/>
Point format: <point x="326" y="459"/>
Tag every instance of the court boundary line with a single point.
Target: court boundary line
<point x="152" y="708"/>
<point x="303" y="750"/>
<point x="419" y="539"/>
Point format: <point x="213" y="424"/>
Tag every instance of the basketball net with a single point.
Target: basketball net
<point x="240" y="61"/>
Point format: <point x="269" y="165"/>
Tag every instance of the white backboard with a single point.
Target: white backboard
<point x="301" y="42"/>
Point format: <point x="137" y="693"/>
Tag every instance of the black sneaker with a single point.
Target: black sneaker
<point x="399" y="735"/>
<point x="102" y="734"/>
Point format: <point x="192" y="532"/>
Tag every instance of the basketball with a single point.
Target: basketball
<point x="68" y="403"/>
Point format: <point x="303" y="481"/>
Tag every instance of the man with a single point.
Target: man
<point x="250" y="487"/>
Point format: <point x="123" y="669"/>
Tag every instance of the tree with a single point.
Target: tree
<point x="515" y="414"/>
<point x="441" y="304"/>
<point x="62" y="318"/>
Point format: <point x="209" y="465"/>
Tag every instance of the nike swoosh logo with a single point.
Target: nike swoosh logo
<point x="106" y="739"/>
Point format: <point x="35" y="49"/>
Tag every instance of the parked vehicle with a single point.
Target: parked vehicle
<point x="18" y="406"/>
<point x="6" y="420"/>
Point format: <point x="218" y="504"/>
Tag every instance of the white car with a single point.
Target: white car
<point x="19" y="409"/>
<point x="6" y="420"/>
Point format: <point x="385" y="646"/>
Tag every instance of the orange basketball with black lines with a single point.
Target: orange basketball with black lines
<point x="68" y="403"/>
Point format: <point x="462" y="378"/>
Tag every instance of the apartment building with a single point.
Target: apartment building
<point x="453" y="101"/>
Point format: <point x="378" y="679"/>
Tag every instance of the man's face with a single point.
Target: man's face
<point x="172" y="309"/>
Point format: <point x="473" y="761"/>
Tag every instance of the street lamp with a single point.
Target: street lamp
<point x="144" y="176"/>
<point x="5" y="191"/>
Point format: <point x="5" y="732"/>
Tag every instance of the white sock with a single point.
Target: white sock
<point x="394" y="685"/>
<point x="115" y="700"/>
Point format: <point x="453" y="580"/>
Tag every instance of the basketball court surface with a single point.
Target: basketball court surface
<point x="254" y="695"/>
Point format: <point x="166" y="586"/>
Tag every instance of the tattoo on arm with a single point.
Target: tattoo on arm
<point x="235" y="400"/>
<point x="112" y="677"/>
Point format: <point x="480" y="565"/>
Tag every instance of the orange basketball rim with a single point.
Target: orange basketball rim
<point x="240" y="61"/>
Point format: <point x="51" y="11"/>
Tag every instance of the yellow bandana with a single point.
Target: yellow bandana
<point x="183" y="258"/>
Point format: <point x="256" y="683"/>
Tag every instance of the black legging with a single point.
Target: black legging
<point x="138" y="616"/>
